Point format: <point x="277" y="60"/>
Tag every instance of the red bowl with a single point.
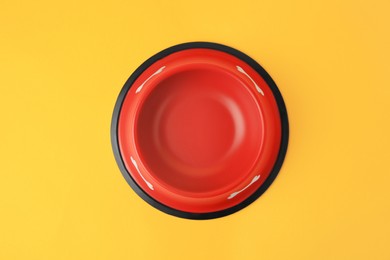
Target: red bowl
<point x="199" y="130"/>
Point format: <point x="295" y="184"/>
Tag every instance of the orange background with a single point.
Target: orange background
<point x="63" y="64"/>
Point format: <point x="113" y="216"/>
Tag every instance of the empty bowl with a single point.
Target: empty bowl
<point x="199" y="130"/>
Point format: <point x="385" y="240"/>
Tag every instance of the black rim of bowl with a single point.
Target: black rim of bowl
<point x="282" y="149"/>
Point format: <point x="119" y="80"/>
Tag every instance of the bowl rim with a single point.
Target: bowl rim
<point x="282" y="113"/>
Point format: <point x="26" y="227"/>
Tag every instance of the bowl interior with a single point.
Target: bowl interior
<point x="199" y="131"/>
